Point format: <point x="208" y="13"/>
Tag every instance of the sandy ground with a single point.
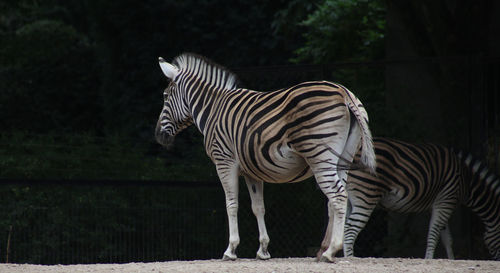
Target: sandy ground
<point x="273" y="265"/>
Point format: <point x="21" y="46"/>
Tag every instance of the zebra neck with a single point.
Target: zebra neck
<point x="203" y="81"/>
<point x="203" y="103"/>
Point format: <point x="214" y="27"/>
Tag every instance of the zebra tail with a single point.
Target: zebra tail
<point x="367" y="150"/>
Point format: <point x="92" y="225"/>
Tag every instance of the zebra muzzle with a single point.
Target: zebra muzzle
<point x="164" y="138"/>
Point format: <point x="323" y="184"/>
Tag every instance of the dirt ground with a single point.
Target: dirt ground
<point x="273" y="265"/>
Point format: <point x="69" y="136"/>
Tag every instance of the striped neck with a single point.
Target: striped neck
<point x="202" y="80"/>
<point x="206" y="71"/>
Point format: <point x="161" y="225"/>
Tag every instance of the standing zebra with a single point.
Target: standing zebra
<point x="415" y="178"/>
<point x="313" y="128"/>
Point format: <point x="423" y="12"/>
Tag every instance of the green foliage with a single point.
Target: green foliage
<point x="286" y="23"/>
<point x="368" y="83"/>
<point x="72" y="68"/>
<point x="53" y="39"/>
<point x="342" y="30"/>
<point x="92" y="66"/>
<point x="45" y="73"/>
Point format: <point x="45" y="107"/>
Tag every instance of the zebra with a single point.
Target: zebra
<point x="423" y="177"/>
<point x="287" y="135"/>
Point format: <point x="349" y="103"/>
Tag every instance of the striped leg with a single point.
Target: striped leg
<point x="441" y="213"/>
<point x="343" y="165"/>
<point x="492" y="239"/>
<point x="325" y="243"/>
<point x="347" y="156"/>
<point x="256" y="189"/>
<point x="229" y="180"/>
<point x="361" y="209"/>
<point x="327" y="176"/>
<point x="337" y="202"/>
<point x="447" y="241"/>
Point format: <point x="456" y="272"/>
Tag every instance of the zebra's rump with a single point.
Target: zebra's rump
<point x="410" y="177"/>
<point x="281" y="130"/>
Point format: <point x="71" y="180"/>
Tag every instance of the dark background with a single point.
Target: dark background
<point x="81" y="90"/>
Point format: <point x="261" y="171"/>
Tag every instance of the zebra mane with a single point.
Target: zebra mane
<point x="212" y="73"/>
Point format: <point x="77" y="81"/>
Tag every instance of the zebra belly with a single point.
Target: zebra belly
<point x="393" y="201"/>
<point x="399" y="201"/>
<point x="287" y="167"/>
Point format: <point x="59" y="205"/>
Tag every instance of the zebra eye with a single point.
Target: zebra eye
<point x="169" y="90"/>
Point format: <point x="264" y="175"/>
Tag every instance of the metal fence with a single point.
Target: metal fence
<point x="137" y="222"/>
<point x="180" y="221"/>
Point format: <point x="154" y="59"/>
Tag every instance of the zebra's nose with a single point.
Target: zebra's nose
<point x="165" y="140"/>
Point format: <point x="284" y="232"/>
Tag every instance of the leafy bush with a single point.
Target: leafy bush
<point x="44" y="79"/>
<point x="342" y="30"/>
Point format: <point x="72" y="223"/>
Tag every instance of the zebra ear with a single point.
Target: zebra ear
<point x="169" y="70"/>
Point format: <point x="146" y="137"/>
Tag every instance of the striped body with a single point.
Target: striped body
<point x="313" y="128"/>
<point x="427" y="177"/>
<point x="482" y="196"/>
<point x="273" y="134"/>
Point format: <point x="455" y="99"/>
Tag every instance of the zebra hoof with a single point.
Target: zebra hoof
<point x="319" y="254"/>
<point x="229" y="257"/>
<point x="325" y="259"/>
<point x="263" y="255"/>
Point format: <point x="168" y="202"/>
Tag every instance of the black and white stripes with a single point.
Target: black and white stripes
<point x="313" y="128"/>
<point x="481" y="193"/>
<point x="425" y="177"/>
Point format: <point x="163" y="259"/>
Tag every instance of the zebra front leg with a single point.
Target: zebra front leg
<point x="256" y="189"/>
<point x="229" y="180"/>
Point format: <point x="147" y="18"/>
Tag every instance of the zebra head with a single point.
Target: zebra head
<point x="175" y="114"/>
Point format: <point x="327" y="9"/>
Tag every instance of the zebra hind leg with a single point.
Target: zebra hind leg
<point x="327" y="178"/>
<point x="345" y="161"/>
<point x="336" y="217"/>
<point x="439" y="219"/>
<point x="330" y="170"/>
<point x="353" y="225"/>
<point x="325" y="243"/>
<point x="256" y="189"/>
